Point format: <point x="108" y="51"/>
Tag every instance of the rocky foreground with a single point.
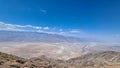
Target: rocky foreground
<point x="107" y="59"/>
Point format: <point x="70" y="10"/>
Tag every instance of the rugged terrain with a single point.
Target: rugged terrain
<point x="107" y="59"/>
<point x="11" y="61"/>
<point x="42" y="50"/>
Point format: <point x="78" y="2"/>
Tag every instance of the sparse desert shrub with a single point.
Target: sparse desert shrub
<point x="15" y="65"/>
<point x="8" y="59"/>
<point x="50" y="66"/>
<point x="1" y="62"/>
<point x="33" y="66"/>
<point x="20" y="61"/>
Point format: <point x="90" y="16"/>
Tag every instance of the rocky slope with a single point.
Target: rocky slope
<point x="10" y="61"/>
<point x="105" y="58"/>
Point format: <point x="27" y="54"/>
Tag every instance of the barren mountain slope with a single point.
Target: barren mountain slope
<point x="108" y="59"/>
<point x="10" y="61"/>
<point x="97" y="59"/>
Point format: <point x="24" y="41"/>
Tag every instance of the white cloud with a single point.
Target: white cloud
<point x="43" y="11"/>
<point x="31" y="28"/>
<point x="40" y="31"/>
<point x="14" y="27"/>
<point x="54" y="30"/>
<point x="62" y="33"/>
<point x="46" y="28"/>
<point x="74" y="31"/>
<point x="1" y="23"/>
<point x="60" y="30"/>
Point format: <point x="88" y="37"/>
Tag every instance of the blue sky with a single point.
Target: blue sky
<point x="81" y="18"/>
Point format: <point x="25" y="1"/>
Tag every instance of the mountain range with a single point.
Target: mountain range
<point x="20" y="36"/>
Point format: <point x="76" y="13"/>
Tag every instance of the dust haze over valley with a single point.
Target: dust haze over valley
<point x="54" y="46"/>
<point x="33" y="44"/>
